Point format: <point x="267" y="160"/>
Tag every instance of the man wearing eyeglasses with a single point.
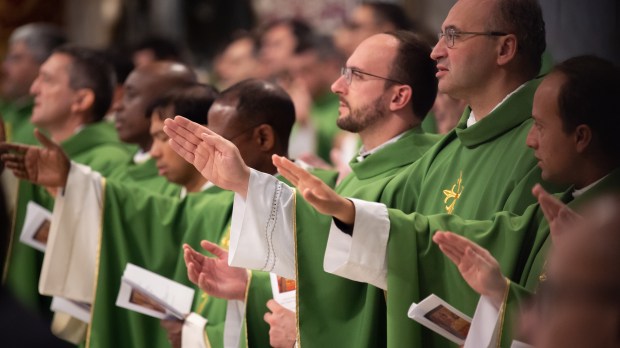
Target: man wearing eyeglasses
<point x="386" y="88"/>
<point x="481" y="167"/>
<point x="489" y="54"/>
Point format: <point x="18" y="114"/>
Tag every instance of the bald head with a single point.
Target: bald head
<point x="143" y="87"/>
<point x="583" y="300"/>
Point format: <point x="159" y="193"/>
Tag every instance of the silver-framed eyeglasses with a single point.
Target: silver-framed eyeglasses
<point x="349" y="72"/>
<point x="451" y="34"/>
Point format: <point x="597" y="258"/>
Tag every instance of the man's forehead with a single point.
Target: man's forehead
<point x="469" y="14"/>
<point x="378" y="49"/>
<point x="55" y="63"/>
<point x="222" y="109"/>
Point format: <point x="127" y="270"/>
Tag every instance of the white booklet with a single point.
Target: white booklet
<point x="36" y="226"/>
<point x="437" y="315"/>
<point x="149" y="293"/>
<point x="284" y="292"/>
<point x="75" y="309"/>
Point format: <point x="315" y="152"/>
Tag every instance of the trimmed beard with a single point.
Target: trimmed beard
<point x="359" y="119"/>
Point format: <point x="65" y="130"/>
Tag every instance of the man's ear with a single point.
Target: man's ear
<point x="83" y="101"/>
<point x="507" y="49"/>
<point x="401" y="97"/>
<point x="265" y="137"/>
<point x="583" y="137"/>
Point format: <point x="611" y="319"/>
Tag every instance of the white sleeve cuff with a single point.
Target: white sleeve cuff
<point x="193" y="331"/>
<point x="70" y="259"/>
<point x="235" y="315"/>
<point x="261" y="233"/>
<point x="484" y="326"/>
<point x="363" y="257"/>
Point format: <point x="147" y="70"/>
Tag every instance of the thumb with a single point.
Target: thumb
<point x="45" y="141"/>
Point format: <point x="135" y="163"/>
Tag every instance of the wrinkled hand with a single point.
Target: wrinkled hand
<point x="477" y="266"/>
<point x="559" y="216"/>
<point x="283" y="328"/>
<point x="317" y="193"/>
<point x="47" y="166"/>
<point x="174" y="330"/>
<point x="213" y="275"/>
<point x="216" y="158"/>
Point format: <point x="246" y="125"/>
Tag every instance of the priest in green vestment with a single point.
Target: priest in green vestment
<point x="71" y="95"/>
<point x="574" y="139"/>
<point x="378" y="103"/>
<point x="454" y="176"/>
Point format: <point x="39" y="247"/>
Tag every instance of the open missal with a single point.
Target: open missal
<point x="437" y="315"/>
<point x="149" y="293"/>
<point x="36" y="226"/>
<point x="284" y="292"/>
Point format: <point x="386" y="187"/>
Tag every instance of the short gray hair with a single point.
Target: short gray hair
<point x="40" y="38"/>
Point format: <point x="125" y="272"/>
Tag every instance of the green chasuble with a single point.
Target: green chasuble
<point x="149" y="230"/>
<point x="96" y="145"/>
<point x="145" y="175"/>
<point x="533" y="271"/>
<point x="333" y="311"/>
<point x="17" y="122"/>
<point x="472" y="172"/>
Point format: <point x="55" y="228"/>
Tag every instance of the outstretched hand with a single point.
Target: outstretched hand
<point x="47" y="166"/>
<point x="559" y="216"/>
<point x="477" y="266"/>
<point x="213" y="275"/>
<point x="216" y="158"/>
<point x="317" y="193"/>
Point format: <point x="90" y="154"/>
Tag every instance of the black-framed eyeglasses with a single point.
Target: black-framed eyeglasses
<point x="451" y="34"/>
<point x="348" y="75"/>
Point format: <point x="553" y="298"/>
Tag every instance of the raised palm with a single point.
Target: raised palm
<point x="476" y="265"/>
<point x="216" y="158"/>
<point x="322" y="197"/>
<point x="213" y="275"/>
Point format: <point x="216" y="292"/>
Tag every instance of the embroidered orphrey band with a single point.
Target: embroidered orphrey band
<point x="270" y="261"/>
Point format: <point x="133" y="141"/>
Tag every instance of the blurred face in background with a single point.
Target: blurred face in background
<point x="277" y="47"/>
<point x="238" y="62"/>
<point x="131" y="122"/>
<point x="53" y="96"/>
<point x="19" y="70"/>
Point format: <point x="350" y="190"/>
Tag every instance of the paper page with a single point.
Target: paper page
<point x="75" y="309"/>
<point x="439" y="316"/>
<point x="284" y="291"/>
<point x="149" y="293"/>
<point x="36" y="226"/>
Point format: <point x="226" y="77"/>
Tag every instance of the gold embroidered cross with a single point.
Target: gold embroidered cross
<point x="454" y="195"/>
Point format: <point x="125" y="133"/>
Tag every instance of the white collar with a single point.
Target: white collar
<point x="581" y="191"/>
<point x="141" y="156"/>
<point x="363" y="153"/>
<point x="472" y="118"/>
